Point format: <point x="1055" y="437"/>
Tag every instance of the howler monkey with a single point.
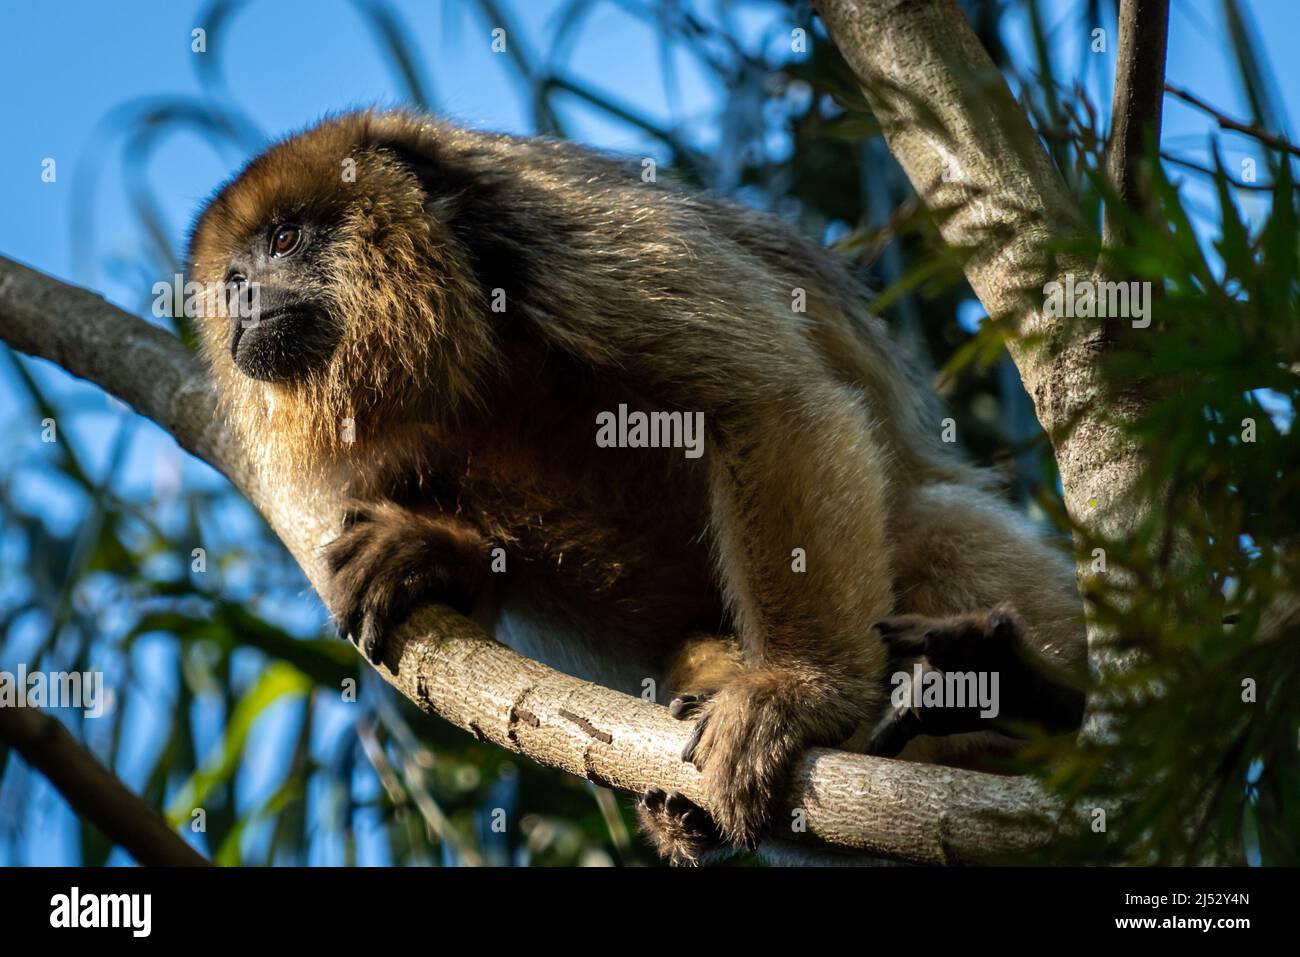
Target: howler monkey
<point x="446" y="320"/>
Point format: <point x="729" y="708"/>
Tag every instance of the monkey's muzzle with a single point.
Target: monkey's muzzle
<point x="281" y="344"/>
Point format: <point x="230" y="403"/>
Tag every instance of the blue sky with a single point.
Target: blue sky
<point x="66" y="68"/>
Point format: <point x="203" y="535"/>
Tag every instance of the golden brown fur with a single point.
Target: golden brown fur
<point x="475" y="429"/>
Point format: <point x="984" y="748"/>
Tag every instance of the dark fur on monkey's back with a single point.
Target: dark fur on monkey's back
<point x="484" y="298"/>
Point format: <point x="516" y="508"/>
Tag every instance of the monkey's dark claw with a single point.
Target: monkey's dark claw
<point x="679" y="805"/>
<point x="685" y="705"/>
<point x="902" y="635"/>
<point x="371" y="641"/>
<point x="1003" y="623"/>
<point x="692" y="743"/>
<point x="355" y="515"/>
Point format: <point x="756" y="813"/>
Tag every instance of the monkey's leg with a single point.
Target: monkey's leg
<point x="799" y="506"/>
<point x="389" y="558"/>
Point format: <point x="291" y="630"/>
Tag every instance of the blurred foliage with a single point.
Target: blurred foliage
<point x="247" y="650"/>
<point x="1201" y="759"/>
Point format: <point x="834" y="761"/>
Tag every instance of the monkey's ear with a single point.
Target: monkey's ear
<point x="472" y="206"/>
<point x="438" y="180"/>
<point x="1002" y="622"/>
<point x="451" y="194"/>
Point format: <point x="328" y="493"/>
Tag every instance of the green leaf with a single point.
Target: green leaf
<point x="277" y="682"/>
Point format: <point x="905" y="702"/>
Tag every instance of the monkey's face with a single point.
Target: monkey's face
<point x="282" y="328"/>
<point x="335" y="290"/>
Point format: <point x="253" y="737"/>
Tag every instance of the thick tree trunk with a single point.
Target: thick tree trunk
<point x="972" y="157"/>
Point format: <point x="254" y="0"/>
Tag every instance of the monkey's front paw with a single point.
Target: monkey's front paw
<point x="746" y="742"/>
<point x="387" y="559"/>
<point x="680" y="830"/>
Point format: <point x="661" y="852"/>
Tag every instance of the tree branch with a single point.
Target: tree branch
<point x="1272" y="140"/>
<point x="1135" y="107"/>
<point x="92" y="790"/>
<point x="1206" y="171"/>
<point x="447" y="666"/>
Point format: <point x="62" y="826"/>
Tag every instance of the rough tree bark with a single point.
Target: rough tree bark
<point x="919" y="62"/>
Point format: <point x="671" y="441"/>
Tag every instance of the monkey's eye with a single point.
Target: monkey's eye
<point x="285" y="240"/>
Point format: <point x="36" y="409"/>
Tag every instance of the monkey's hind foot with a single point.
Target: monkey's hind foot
<point x="1028" y="689"/>
<point x="750" y="734"/>
<point x="680" y="830"/>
